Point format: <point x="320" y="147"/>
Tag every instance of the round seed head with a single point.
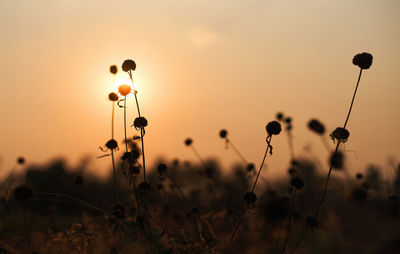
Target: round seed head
<point x="23" y="192"/>
<point x="288" y="120"/>
<point x="124" y="89"/>
<point x="113" y="96"/>
<point x="250" y="198"/>
<point x="273" y="128"/>
<point x="316" y="126"/>
<point x="113" y="69"/>
<point x="312" y="221"/>
<point x="162" y="168"/>
<point x="363" y="60"/>
<point x="279" y="116"/>
<point x="336" y="160"/>
<point x="359" y="176"/>
<point x="297" y="182"/>
<point x="340" y="134"/>
<point x="78" y="180"/>
<point x="112" y="144"/>
<point x="250" y="167"/>
<point x="140" y="122"/>
<point x="188" y="141"/>
<point x="128" y="65"/>
<point x="21" y="160"/>
<point x="223" y="133"/>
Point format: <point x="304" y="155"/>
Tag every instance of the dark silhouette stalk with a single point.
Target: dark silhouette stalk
<point x="126" y="139"/>
<point x="262" y="164"/>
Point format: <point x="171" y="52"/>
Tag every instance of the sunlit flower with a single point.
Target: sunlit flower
<point x="113" y="96"/>
<point x="128" y="65"/>
<point x="124" y="89"/>
<point x="363" y="60"/>
<point x="113" y="69"/>
<point x="273" y="128"/>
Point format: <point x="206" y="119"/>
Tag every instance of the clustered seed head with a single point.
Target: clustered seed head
<point x="250" y="197"/>
<point x="140" y="122"/>
<point x="223" y="133"/>
<point x="112" y="144"/>
<point x="113" y="69"/>
<point x="273" y="128"/>
<point x="336" y="160"/>
<point x="21" y="160"/>
<point x="279" y="116"/>
<point x="188" y="141"/>
<point x="363" y="60"/>
<point x="340" y="134"/>
<point x="162" y="168"/>
<point x="316" y="126"/>
<point x="78" y="180"/>
<point x="23" y="192"/>
<point x="297" y="182"/>
<point x="128" y="65"/>
<point x="312" y="221"/>
<point x="113" y="96"/>
<point x="250" y="167"/>
<point x="124" y="89"/>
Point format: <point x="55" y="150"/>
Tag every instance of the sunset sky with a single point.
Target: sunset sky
<point x="201" y="66"/>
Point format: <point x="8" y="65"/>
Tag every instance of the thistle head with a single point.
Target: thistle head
<point x="140" y="122"/>
<point x="340" y="134"/>
<point x="112" y="144"/>
<point x="128" y="65"/>
<point x="113" y="96"/>
<point x="250" y="198"/>
<point x="273" y="128"/>
<point x="113" y="69"/>
<point x="363" y="60"/>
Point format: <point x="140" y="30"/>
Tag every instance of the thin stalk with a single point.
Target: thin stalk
<point x="126" y="139"/>
<point x="238" y="224"/>
<point x="262" y="164"/>
<point x="289" y="218"/>
<point x="115" y="175"/>
<point x="112" y="120"/>
<point x="144" y="161"/>
<point x="352" y="100"/>
<point x="177" y="187"/>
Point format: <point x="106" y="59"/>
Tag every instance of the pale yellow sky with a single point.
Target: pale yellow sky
<point x="201" y="66"/>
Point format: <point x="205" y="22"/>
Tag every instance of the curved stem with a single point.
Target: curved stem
<point x="126" y="139"/>
<point x="112" y="120"/>
<point x="352" y="100"/>
<point x="261" y="166"/>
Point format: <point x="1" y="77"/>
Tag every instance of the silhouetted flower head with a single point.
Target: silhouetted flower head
<point x="118" y="211"/>
<point x="128" y="65"/>
<point x="124" y="89"/>
<point x="336" y="160"/>
<point x="140" y="122"/>
<point x="359" y="195"/>
<point x="162" y="168"/>
<point x="250" y="197"/>
<point x="113" y="96"/>
<point x="363" y="60"/>
<point x="188" y="141"/>
<point x="23" y="192"/>
<point x="279" y="116"/>
<point x="131" y="156"/>
<point x="273" y="128"/>
<point x="223" y="133"/>
<point x="288" y="120"/>
<point x="250" y="167"/>
<point x="340" y="134"/>
<point x="359" y="176"/>
<point x="21" y="160"/>
<point x="78" y="180"/>
<point x="113" y="69"/>
<point x="316" y="126"/>
<point x="312" y="221"/>
<point x="112" y="144"/>
<point x="297" y="182"/>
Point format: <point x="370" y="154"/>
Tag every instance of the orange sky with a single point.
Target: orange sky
<point x="201" y="66"/>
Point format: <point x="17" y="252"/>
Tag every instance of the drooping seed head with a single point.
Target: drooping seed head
<point x="223" y="133"/>
<point x="23" y="192"/>
<point x="316" y="126"/>
<point x="363" y="60"/>
<point x="113" y="69"/>
<point x="162" y="168"/>
<point x="21" y="160"/>
<point x="124" y="89"/>
<point x="188" y="141"/>
<point x="337" y="159"/>
<point x="112" y="144"/>
<point x="78" y="180"/>
<point x="273" y="128"/>
<point x="113" y="96"/>
<point x="297" y="182"/>
<point x="140" y="122"/>
<point x="128" y="65"/>
<point x="340" y="134"/>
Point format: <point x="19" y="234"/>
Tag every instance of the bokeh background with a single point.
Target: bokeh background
<point x="201" y="66"/>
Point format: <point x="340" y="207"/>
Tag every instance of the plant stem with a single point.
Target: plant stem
<point x="115" y="175"/>
<point x="238" y="224"/>
<point x="262" y="164"/>
<point x="352" y="100"/>
<point x="112" y="120"/>
<point x="144" y="161"/>
<point x="126" y="139"/>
